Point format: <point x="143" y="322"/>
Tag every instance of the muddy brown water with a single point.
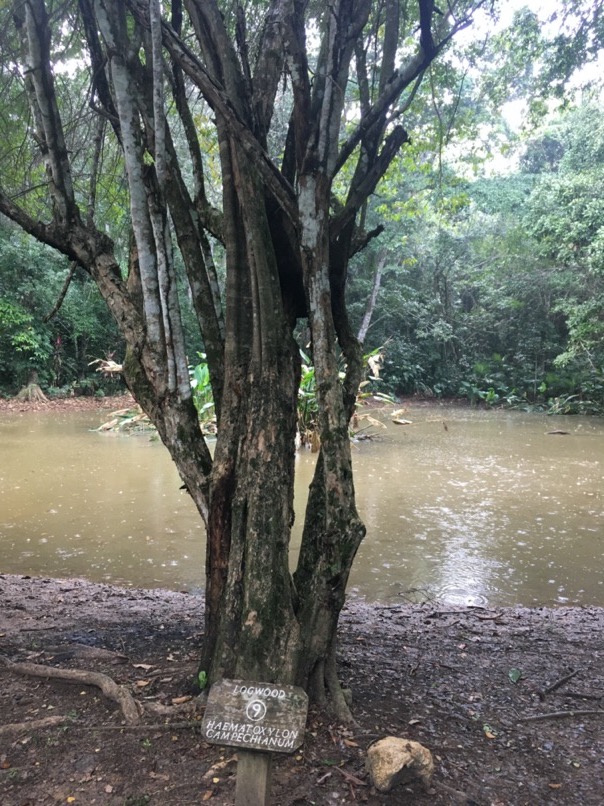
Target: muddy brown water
<point x="461" y="506"/>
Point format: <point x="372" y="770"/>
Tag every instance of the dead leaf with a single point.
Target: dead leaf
<point x="108" y="789"/>
<point x="180" y="700"/>
<point x="159" y="776"/>
<point x="144" y="666"/>
<point x="555" y="786"/>
<point x="207" y="795"/>
<point x="143" y="683"/>
<point x="350" y="743"/>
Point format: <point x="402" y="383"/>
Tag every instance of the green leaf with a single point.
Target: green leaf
<point x="202" y="679"/>
<point x="514" y="675"/>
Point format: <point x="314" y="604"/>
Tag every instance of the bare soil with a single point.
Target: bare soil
<point x="509" y="701"/>
<point x="441" y="676"/>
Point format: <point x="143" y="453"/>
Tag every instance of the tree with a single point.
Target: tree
<point x="565" y="216"/>
<point x="53" y="321"/>
<point x="288" y="222"/>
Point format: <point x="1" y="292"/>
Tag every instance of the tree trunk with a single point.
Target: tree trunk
<point x="371" y="303"/>
<point x="251" y="630"/>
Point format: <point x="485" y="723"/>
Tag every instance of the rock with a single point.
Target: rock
<point x="392" y="761"/>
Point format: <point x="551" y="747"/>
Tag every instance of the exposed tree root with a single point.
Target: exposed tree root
<point x="325" y="690"/>
<point x="195" y="725"/>
<point x="109" y="687"/>
<point x="338" y="701"/>
<point x="190" y="707"/>
<point x="33" y="393"/>
<point x="34" y="724"/>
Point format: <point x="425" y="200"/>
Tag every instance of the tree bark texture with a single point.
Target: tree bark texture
<point x="185" y="97"/>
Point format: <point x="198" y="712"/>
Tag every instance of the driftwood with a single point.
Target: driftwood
<point x="109" y="687"/>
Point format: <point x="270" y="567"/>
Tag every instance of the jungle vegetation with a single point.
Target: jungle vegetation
<point x="486" y="285"/>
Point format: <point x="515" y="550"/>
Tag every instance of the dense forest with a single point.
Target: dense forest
<point x="491" y="288"/>
<point x="487" y="280"/>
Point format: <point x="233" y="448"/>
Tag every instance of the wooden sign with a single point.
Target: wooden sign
<point x="266" y="717"/>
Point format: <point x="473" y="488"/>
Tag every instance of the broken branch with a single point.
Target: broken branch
<point x="558" y="683"/>
<point x="560" y="715"/>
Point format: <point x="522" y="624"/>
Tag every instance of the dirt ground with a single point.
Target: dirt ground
<point x="441" y="676"/>
<point x="509" y="701"/>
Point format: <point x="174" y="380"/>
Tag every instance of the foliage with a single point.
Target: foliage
<point x="498" y="298"/>
<point x="22" y="347"/>
<point x="308" y="405"/>
<point x="59" y="349"/>
<point x="202" y="394"/>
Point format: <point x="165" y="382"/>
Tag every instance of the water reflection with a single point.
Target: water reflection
<point x="462" y="506"/>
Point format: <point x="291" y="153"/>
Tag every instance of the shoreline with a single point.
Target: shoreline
<point x="29" y="602"/>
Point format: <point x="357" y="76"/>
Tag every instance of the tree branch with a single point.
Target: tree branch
<point x="366" y="184"/>
<point x="239" y="130"/>
<point x="562" y="715"/>
<point x="61" y="297"/>
<point x="51" y="138"/>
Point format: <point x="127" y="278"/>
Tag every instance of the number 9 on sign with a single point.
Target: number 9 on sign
<point x="256" y="710"/>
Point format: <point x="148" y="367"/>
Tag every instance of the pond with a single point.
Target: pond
<point x="461" y="506"/>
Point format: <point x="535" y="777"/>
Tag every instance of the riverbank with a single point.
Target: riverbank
<point x="507" y="700"/>
<point x="66" y="404"/>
